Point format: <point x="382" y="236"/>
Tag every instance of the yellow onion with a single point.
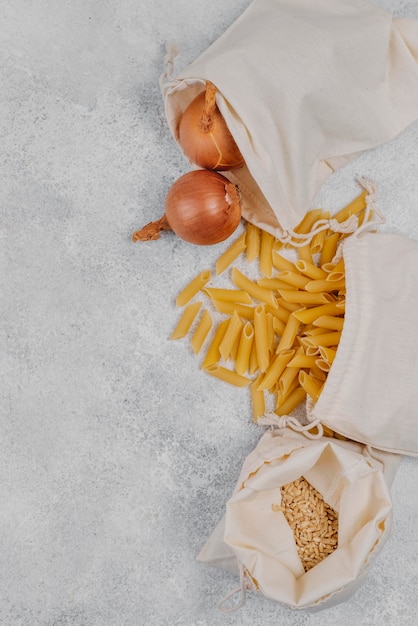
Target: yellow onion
<point x="201" y="207"/>
<point x="204" y="135"/>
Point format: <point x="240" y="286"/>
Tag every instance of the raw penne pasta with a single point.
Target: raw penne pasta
<point x="257" y="399"/>
<point x="281" y="312"/>
<point x="337" y="273"/>
<point x="254" y="290"/>
<point x="317" y="373"/>
<point x="328" y="354"/>
<point x="270" y="332"/>
<point x="302" y="361"/>
<point x="324" y="285"/>
<point x="329" y="321"/>
<point x="229" y="307"/>
<point x="228" y="376"/>
<point x="186" y="320"/>
<point x="289" y="334"/>
<point x="228" y="295"/>
<point x="230" y="254"/>
<point x="272" y="283"/>
<point x="307" y="316"/>
<point x="318" y="239"/>
<point x="242" y="362"/>
<point x="213" y="355"/>
<point x="297" y="296"/>
<point x="310" y="270"/>
<point x="325" y="339"/>
<point x="323" y="365"/>
<point x="281" y="263"/>
<point x="312" y="388"/>
<point x="275" y="369"/>
<point x="253" y="367"/>
<point x="201" y="332"/>
<point x="295" y="279"/>
<point x="329" y="248"/>
<point x="289" y="374"/>
<point x="357" y="205"/>
<point x="266" y="254"/>
<point x="232" y="334"/>
<point x="193" y="287"/>
<point x="291" y="401"/>
<point x="252" y="242"/>
<point x="305" y="226"/>
<point x="305" y="253"/>
<point x="261" y="337"/>
<point x="289" y="306"/>
<point x="278" y="326"/>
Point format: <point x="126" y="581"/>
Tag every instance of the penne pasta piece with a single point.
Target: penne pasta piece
<point x="297" y="296"/>
<point x="323" y="365"/>
<point x="329" y="321"/>
<point x="193" y="287"/>
<point x="278" y="326"/>
<point x="261" y="338"/>
<point x="329" y="248"/>
<point x="318" y="239"/>
<point x="275" y="369"/>
<point x="310" y="270"/>
<point x="328" y="354"/>
<point x="324" y="285"/>
<point x="305" y="226"/>
<point x="295" y="279"/>
<point x="357" y="205"/>
<point x="213" y="355"/>
<point x="289" y="334"/>
<point x="232" y="333"/>
<point x="242" y="362"/>
<point x="291" y="401"/>
<point x="253" y="366"/>
<point x="230" y="254"/>
<point x="305" y="253"/>
<point x="252" y="242"/>
<point x="280" y="397"/>
<point x="338" y="272"/>
<point x="312" y="388"/>
<point x="254" y="290"/>
<point x="186" y="320"/>
<point x="325" y="339"/>
<point x="317" y="373"/>
<point x="289" y="306"/>
<point x="307" y="316"/>
<point x="272" y="283"/>
<point x="228" y="295"/>
<point x="281" y="263"/>
<point x="302" y="361"/>
<point x="229" y="307"/>
<point x="328" y="267"/>
<point x="228" y="376"/>
<point x="201" y="332"/>
<point x="266" y="254"/>
<point x="281" y="312"/>
<point x="289" y="374"/>
<point x="257" y="399"/>
<point x="270" y="332"/>
<point x="312" y="351"/>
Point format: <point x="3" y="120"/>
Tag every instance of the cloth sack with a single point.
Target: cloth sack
<point x="371" y="391"/>
<point x="254" y="540"/>
<point x="304" y="87"/>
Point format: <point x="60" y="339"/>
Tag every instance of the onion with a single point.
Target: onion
<point x="201" y="207"/>
<point x="204" y="135"/>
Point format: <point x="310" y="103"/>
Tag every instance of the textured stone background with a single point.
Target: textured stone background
<point x="117" y="453"/>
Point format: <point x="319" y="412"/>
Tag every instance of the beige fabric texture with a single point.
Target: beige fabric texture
<point x="371" y="392"/>
<point x="304" y="87"/>
<point x="254" y="538"/>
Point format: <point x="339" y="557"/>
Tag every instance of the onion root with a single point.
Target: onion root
<point x="152" y="230"/>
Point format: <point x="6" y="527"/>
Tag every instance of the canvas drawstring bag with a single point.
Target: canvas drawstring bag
<point x="304" y="87"/>
<point x="255" y="540"/>
<point x="371" y="391"/>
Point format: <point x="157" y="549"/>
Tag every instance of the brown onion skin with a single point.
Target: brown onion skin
<point x="202" y="207"/>
<point x="211" y="148"/>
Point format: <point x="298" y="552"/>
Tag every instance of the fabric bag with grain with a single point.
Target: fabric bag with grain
<point x="255" y="540"/>
<point x="304" y="87"/>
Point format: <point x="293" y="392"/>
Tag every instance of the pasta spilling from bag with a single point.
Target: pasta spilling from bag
<point x="276" y="334"/>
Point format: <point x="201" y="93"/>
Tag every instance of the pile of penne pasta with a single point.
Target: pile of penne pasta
<point x="277" y="334"/>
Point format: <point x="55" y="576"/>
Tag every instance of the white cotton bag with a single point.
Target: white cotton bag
<point x="304" y="87"/>
<point x="255" y="540"/>
<point x="371" y="391"/>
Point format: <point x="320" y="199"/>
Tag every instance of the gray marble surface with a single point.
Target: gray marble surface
<point x="117" y="453"/>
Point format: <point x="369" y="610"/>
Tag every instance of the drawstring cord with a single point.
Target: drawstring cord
<point x="270" y="418"/>
<point x="245" y="583"/>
